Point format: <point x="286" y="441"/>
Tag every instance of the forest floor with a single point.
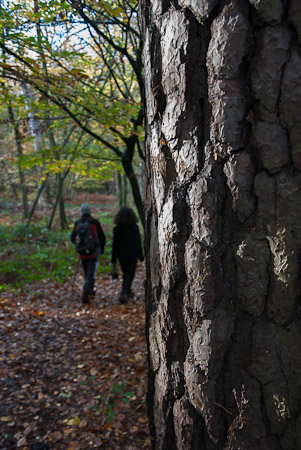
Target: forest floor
<point x="73" y="377"/>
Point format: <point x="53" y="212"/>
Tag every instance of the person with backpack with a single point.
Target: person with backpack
<point x="89" y="240"/>
<point x="127" y="248"/>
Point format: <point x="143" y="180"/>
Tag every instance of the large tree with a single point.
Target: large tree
<point x="223" y="100"/>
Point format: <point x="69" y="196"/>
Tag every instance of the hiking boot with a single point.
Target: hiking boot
<point x="131" y="295"/>
<point x="123" y="298"/>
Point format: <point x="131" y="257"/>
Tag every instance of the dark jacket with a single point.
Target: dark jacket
<point x="95" y="230"/>
<point x="126" y="242"/>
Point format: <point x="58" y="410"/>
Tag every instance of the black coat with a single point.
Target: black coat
<point x="126" y="242"/>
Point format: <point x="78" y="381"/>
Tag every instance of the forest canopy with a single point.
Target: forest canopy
<point x="71" y="95"/>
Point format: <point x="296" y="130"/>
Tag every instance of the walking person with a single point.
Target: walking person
<point x="127" y="248"/>
<point x="89" y="240"/>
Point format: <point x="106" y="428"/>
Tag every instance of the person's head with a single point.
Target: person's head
<point x="85" y="208"/>
<point x="125" y="215"/>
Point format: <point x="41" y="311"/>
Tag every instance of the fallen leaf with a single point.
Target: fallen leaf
<point x="73" y="446"/>
<point x="74" y="421"/>
<point x="5" y="418"/>
<point x="27" y="431"/>
<point x="21" y="442"/>
<point x="83" y="423"/>
<point x="57" y="435"/>
<point x="142" y="420"/>
<point x="68" y="430"/>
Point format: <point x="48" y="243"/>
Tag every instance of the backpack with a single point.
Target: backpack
<point x="85" y="244"/>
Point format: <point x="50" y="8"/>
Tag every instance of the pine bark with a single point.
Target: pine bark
<point x="223" y="228"/>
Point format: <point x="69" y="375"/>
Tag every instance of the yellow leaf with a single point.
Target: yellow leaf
<point x="74" y="421"/>
<point x="5" y="418"/>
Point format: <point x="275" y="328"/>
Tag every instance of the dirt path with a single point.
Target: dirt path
<point x="73" y="377"/>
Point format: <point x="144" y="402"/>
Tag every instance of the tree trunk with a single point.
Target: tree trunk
<point x="36" y="200"/>
<point x="223" y="223"/>
<point x="36" y="128"/>
<point x="127" y="164"/>
<point x="122" y="189"/>
<point x="63" y="217"/>
<point x="59" y="201"/>
<point x="18" y="139"/>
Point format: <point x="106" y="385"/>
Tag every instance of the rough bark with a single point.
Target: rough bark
<point x="223" y="223"/>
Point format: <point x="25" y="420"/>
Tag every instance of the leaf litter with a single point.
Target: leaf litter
<point x="73" y="377"/>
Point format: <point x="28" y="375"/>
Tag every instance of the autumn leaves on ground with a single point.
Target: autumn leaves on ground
<point x="73" y="377"/>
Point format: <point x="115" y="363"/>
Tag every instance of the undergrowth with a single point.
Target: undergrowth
<point x="29" y="254"/>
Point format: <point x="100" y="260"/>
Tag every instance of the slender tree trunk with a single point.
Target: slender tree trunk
<point x="20" y="154"/>
<point x="127" y="163"/>
<point x="60" y="184"/>
<point x="63" y="217"/>
<point x="36" y="127"/>
<point x="122" y="189"/>
<point x="57" y="200"/>
<point x="36" y="201"/>
<point x="223" y="223"/>
<point x="119" y="187"/>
